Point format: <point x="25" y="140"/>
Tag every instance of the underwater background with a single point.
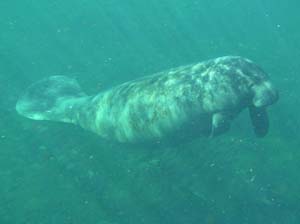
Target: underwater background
<point x="58" y="173"/>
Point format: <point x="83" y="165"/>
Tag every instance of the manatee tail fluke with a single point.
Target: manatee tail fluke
<point x="52" y="98"/>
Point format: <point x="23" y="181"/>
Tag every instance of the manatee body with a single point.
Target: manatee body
<point x="200" y="99"/>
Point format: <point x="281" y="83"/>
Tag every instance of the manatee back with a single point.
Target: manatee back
<point x="49" y="98"/>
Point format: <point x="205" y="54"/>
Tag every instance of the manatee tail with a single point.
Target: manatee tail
<point x="54" y="98"/>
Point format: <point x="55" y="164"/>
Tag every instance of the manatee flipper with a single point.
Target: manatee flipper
<point x="220" y="124"/>
<point x="52" y="98"/>
<point x="260" y="120"/>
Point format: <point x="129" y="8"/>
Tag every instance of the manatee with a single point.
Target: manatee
<point x="196" y="100"/>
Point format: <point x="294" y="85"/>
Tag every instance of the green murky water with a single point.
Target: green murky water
<point x="58" y="173"/>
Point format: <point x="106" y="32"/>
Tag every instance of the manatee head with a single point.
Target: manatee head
<point x="244" y="72"/>
<point x="264" y="94"/>
<point x="260" y="92"/>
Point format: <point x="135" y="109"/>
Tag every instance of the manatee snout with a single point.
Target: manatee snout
<point x="264" y="95"/>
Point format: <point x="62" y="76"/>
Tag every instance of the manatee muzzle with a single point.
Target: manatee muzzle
<point x="264" y="95"/>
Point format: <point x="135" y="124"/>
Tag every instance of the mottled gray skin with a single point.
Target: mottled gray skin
<point x="194" y="100"/>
